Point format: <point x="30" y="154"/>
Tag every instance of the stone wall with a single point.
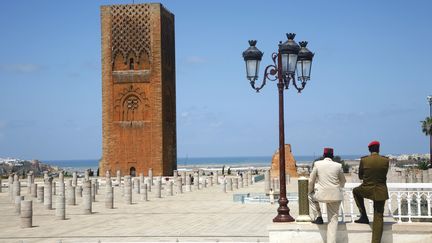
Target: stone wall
<point x="290" y="163"/>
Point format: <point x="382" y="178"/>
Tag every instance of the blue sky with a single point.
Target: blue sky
<point x="370" y="77"/>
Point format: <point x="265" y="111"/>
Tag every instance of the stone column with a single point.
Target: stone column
<point x="240" y="182"/>
<point x="61" y="199"/>
<point x="149" y="184"/>
<point x="235" y="183"/>
<point x="215" y="177"/>
<point x="61" y="185"/>
<point x="109" y="197"/>
<point x="86" y="175"/>
<point x="229" y="184"/>
<point x="150" y="174"/>
<point x="204" y="182"/>
<point x="196" y="181"/>
<point x="179" y="185"/>
<point x="137" y="185"/>
<point x="175" y="175"/>
<point x="86" y="197"/>
<point x="303" y="200"/>
<point x="34" y="190"/>
<point x="144" y="195"/>
<point x="109" y="192"/>
<point x="10" y="188"/>
<point x="108" y="183"/>
<point x="18" y="200"/>
<point x="54" y="187"/>
<point x="188" y="184"/>
<point x="29" y="182"/>
<point x="26" y="214"/>
<point x="183" y="175"/>
<point x="169" y="188"/>
<point x="60" y="210"/>
<point x="40" y="194"/>
<point x="267" y="184"/>
<point x="158" y="188"/>
<point x="96" y="182"/>
<point x="16" y="188"/>
<point x="224" y="186"/>
<point x="142" y="180"/>
<point x="61" y="176"/>
<point x="32" y="177"/>
<point x="48" y="193"/>
<point x="118" y="178"/>
<point x="74" y="179"/>
<point x="70" y="199"/>
<point x="93" y="190"/>
<point x="127" y="190"/>
<point x="45" y="173"/>
<point x="210" y="180"/>
<point x="245" y="179"/>
<point x="251" y="181"/>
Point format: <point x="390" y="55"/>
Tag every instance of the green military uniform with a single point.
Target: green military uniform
<point x="373" y="171"/>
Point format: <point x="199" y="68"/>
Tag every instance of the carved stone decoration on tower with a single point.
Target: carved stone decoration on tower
<point x="138" y="89"/>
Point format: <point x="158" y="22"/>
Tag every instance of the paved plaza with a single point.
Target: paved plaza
<point x="205" y="215"/>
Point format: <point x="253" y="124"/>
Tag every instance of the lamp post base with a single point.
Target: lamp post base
<point x="283" y="218"/>
<point x="283" y="214"/>
<point x="283" y="210"/>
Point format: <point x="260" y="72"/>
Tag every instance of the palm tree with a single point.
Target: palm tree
<point x="427" y="130"/>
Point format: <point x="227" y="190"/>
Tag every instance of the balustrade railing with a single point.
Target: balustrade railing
<point x="406" y="201"/>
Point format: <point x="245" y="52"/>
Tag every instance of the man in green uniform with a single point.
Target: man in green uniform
<point x="373" y="171"/>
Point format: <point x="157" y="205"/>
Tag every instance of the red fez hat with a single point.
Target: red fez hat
<point x="374" y="143"/>
<point x="328" y="151"/>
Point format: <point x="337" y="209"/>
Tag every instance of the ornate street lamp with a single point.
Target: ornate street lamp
<point x="289" y="57"/>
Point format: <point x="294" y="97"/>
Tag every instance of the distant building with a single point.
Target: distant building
<point x="138" y="90"/>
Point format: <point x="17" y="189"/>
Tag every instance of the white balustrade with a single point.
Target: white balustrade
<point x="399" y="193"/>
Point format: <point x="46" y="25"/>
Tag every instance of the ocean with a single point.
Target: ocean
<point x="231" y="161"/>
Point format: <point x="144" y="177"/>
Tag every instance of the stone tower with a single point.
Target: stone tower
<point x="138" y="90"/>
<point x="290" y="163"/>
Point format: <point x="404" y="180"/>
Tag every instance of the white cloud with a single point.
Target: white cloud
<point x="195" y="60"/>
<point x="20" y="68"/>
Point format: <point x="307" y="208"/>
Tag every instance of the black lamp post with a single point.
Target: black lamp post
<point x="289" y="57"/>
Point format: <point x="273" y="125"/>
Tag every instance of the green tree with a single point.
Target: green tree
<point x="427" y="130"/>
<point x="422" y="165"/>
<point x="427" y="126"/>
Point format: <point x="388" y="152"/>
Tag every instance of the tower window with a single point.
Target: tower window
<point x="131" y="64"/>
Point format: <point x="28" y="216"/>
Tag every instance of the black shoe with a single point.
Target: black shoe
<point x="318" y="220"/>
<point x="362" y="220"/>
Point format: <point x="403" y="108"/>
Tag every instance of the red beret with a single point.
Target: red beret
<point x="374" y="143"/>
<point x="328" y="150"/>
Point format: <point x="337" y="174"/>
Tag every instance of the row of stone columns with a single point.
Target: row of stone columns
<point x="65" y="192"/>
<point x="22" y="207"/>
